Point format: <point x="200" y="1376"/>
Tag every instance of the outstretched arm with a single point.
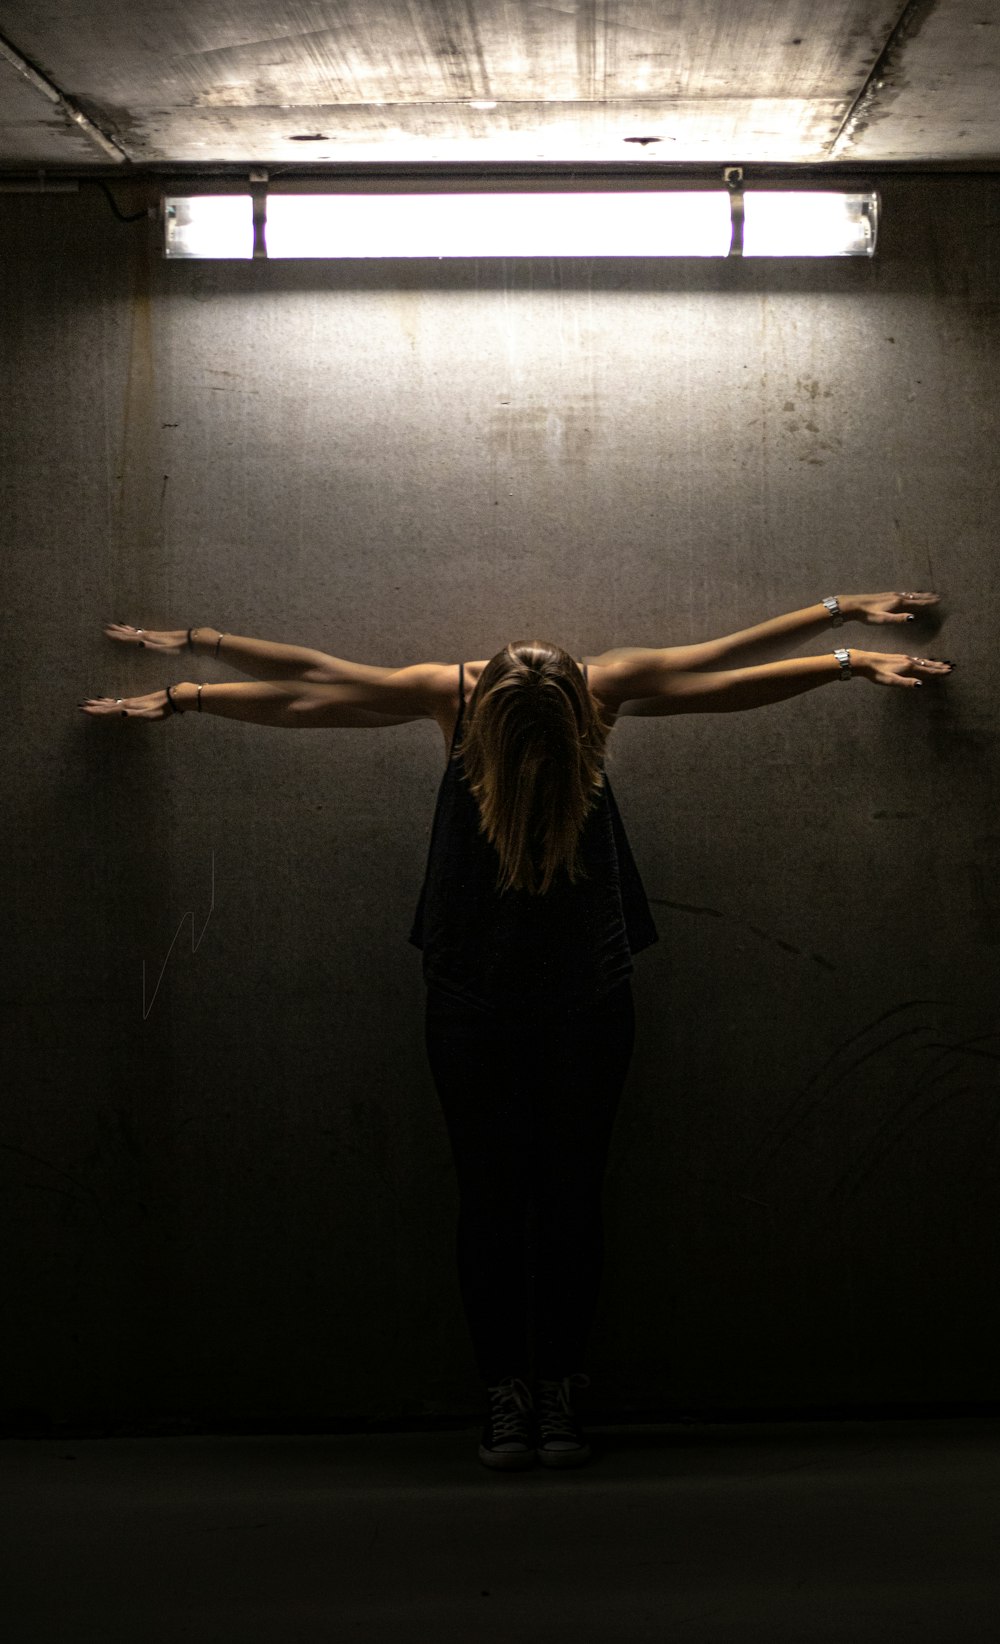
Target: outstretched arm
<point x="666" y="691"/>
<point x="260" y="658"/>
<point x="297" y="667"/>
<point x="753" y="644"/>
<point x="298" y="706"/>
<point x="403" y="694"/>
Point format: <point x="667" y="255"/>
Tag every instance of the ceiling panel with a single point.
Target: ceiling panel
<point x="199" y="82"/>
<point x="32" y="130"/>
<point x="939" y="92"/>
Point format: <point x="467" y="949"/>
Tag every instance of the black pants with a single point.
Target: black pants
<point x="530" y="1102"/>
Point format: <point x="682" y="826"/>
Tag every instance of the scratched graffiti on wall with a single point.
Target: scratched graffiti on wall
<point x="195" y="945"/>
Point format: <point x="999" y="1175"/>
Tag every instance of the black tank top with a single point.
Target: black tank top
<point x="518" y="951"/>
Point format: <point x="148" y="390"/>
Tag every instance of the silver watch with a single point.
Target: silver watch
<point x="844" y="658"/>
<point x="834" y="610"/>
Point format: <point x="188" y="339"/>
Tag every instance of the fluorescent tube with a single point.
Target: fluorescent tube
<point x="644" y="223"/>
<point x="208" y="225"/>
<point x="809" y="224"/>
<point x="498" y="225"/>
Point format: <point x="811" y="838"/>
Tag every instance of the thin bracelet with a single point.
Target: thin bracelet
<point x="175" y="706"/>
<point x="217" y="643"/>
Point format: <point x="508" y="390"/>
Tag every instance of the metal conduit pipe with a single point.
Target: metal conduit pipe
<point x="19" y="185"/>
<point x="64" y="104"/>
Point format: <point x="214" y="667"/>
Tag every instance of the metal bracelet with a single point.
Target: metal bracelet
<point x="834" y="609"/>
<point x="844" y="658"/>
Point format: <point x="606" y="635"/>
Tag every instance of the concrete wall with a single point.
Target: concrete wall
<point x="236" y="1204"/>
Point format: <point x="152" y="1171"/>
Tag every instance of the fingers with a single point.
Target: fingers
<point x="95" y="705"/>
<point x="931" y="665"/>
<point x="878" y="608"/>
<point x="167" y="640"/>
<point x="914" y="599"/>
<point x="129" y="707"/>
<point x="902" y="670"/>
<point x="111" y="705"/>
<point x="125" y="632"/>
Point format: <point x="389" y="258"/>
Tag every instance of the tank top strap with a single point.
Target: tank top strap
<point x="461" y="707"/>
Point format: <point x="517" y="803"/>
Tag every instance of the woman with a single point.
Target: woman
<point x="531" y="911"/>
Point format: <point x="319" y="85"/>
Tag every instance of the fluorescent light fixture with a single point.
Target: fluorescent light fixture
<point x="809" y="224"/>
<point x="216" y="225"/>
<point x="638" y="223"/>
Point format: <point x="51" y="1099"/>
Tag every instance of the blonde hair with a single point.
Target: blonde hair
<point x="533" y="747"/>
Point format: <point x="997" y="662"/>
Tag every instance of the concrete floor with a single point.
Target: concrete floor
<point x="844" y="1531"/>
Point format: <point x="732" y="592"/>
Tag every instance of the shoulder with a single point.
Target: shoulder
<point x="441" y="683"/>
<point x="442" y="678"/>
<point x="603" y="684"/>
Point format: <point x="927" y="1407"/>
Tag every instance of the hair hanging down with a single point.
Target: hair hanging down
<point x="533" y="748"/>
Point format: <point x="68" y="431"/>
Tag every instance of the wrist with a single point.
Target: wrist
<point x="185" y="695"/>
<point x="838" y="608"/>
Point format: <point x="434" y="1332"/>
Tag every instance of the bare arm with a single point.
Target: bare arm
<point x="397" y="696"/>
<point x="729" y="648"/>
<point x="265" y="660"/>
<point x="269" y="659"/>
<point x="753" y="644"/>
<point x="737" y="689"/>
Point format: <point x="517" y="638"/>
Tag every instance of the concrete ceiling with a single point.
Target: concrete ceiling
<point x="88" y="84"/>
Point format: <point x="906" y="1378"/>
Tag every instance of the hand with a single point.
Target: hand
<point x="154" y="639"/>
<point x="884" y="668"/>
<point x="153" y="706"/>
<point x="884" y="607"/>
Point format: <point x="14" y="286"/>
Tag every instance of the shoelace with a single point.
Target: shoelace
<point x="554" y="1411"/>
<point x="510" y="1403"/>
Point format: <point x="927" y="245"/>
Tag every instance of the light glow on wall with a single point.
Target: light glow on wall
<point x="640" y="223"/>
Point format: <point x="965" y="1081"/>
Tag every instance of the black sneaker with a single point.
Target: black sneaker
<point x="508" y="1437"/>
<point x="561" y="1442"/>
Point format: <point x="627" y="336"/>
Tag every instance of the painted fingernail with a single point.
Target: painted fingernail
<point x="909" y="616"/>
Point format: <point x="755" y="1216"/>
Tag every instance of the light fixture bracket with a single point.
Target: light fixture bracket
<point x="732" y="176"/>
<point x="258" y="193"/>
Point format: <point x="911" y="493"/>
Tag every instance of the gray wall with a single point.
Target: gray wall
<point x="240" y="1207"/>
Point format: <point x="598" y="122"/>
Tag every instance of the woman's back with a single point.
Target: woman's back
<point x="517" y="950"/>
